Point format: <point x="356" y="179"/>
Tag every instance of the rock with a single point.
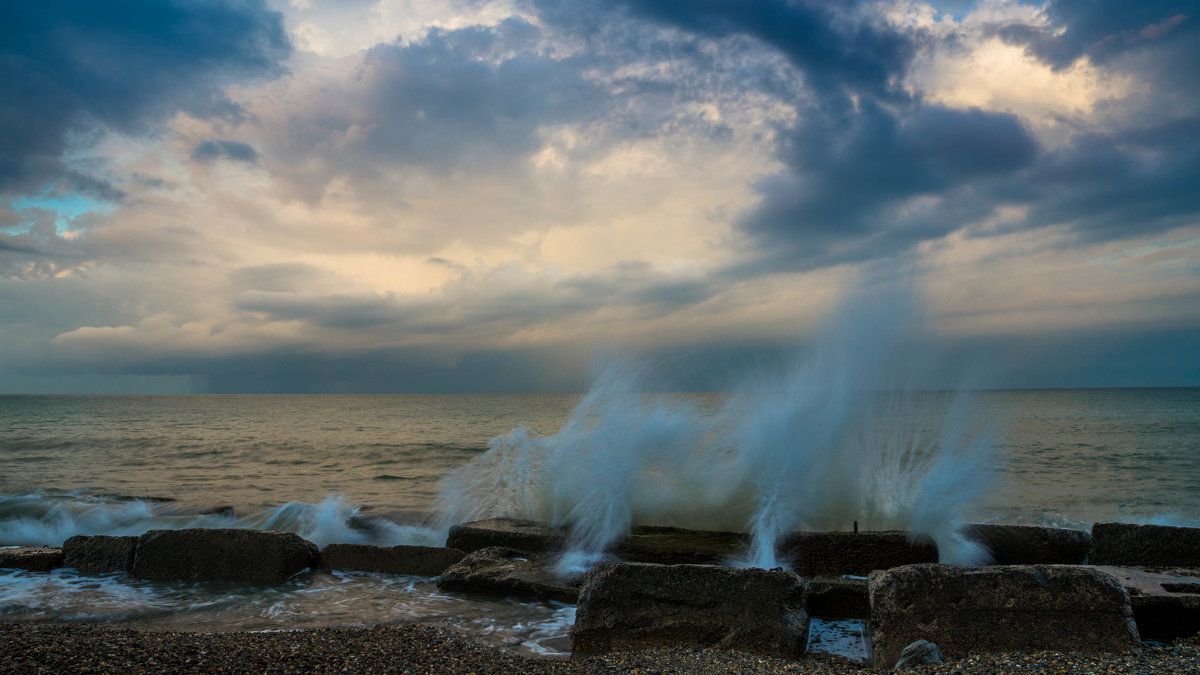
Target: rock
<point x="819" y="554"/>
<point x="32" y="558"/>
<point x="506" y="571"/>
<point x="222" y="555"/>
<point x="919" y="653"/>
<point x="1166" y="606"/>
<point x="838" y="598"/>
<point x="522" y="535"/>
<point x="625" y="606"/>
<point x="428" y="561"/>
<point x="676" y="546"/>
<point x="1127" y="545"/>
<point x="1031" y="545"/>
<point x="996" y="609"/>
<point x="99" y="554"/>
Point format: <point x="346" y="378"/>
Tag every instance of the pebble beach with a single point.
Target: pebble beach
<point x="426" y="648"/>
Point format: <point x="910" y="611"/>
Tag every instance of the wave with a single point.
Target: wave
<point x="50" y="519"/>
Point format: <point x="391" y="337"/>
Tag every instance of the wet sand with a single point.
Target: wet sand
<point x="425" y="648"/>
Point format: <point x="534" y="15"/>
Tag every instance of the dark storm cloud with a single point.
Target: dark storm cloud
<point x="832" y="42"/>
<point x="1128" y="183"/>
<point x="209" y="151"/>
<point x="848" y="176"/>
<point x="1104" y="29"/>
<point x="870" y="171"/>
<point x="78" y="66"/>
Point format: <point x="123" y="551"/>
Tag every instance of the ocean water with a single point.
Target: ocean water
<point x="391" y="469"/>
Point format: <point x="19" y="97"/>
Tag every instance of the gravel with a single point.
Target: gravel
<point x="426" y="648"/>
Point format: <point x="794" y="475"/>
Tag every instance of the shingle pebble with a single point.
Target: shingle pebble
<point x="425" y="648"/>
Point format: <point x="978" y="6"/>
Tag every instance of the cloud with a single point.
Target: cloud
<point x="209" y="151"/>
<point x="78" y="67"/>
<point x="851" y="179"/>
<point x="1102" y="30"/>
<point x="835" y="44"/>
<point x="474" y="97"/>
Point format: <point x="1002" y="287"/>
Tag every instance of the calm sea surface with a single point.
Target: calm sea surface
<point x="125" y="464"/>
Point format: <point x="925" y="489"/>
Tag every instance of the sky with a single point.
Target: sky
<point x="477" y="196"/>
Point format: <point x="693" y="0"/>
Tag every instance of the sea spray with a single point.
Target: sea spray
<point x="833" y="439"/>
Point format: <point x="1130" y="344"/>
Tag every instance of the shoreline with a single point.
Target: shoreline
<point x="432" y="648"/>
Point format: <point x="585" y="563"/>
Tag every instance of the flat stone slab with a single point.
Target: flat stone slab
<point x="427" y="561"/>
<point x="834" y="554"/>
<point x="31" y="558"/>
<point x="506" y="571"/>
<point x="1128" y="545"/>
<point x="1166" y="605"/>
<point x="639" y="605"/>
<point x="968" y="610"/>
<point x="515" y="533"/>
<point x="1030" y="544"/>
<point x="838" y="598"/>
<point x="99" y="554"/>
<point x="222" y="555"/>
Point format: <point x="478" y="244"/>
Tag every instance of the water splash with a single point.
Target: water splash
<point x="832" y="439"/>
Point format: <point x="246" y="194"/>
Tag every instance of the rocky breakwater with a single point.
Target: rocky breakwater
<point x="1012" y="608"/>
<point x="498" y="570"/>
<point x="31" y="558"/>
<point x="1128" y="545"/>
<point x="256" y="556"/>
<point x="427" y="561"/>
<point x="99" y="554"/>
<point x="626" y="606"/>
<point x="1030" y="544"/>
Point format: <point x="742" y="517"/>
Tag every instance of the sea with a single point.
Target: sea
<point x="399" y="469"/>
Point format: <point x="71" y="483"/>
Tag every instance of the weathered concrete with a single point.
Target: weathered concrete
<point x="99" y="554"/>
<point x="222" y="555"/>
<point x="522" y="535"/>
<point x="1165" y="605"/>
<point x="1030" y="545"/>
<point x="838" y="598"/>
<point x="676" y="546"/>
<point x="823" y="554"/>
<point x="428" y="561"/>
<point x="505" y="571"/>
<point x="993" y="609"/>
<point x="1127" y="545"/>
<point x="639" y="605"/>
<point x="32" y="558"/>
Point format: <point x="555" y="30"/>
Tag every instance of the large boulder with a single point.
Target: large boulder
<point x="222" y="555"/>
<point x="995" y="609"/>
<point x="428" y="561"/>
<point x="817" y="554"/>
<point x="515" y="533"/>
<point x="32" y="558"/>
<point x="506" y="571"/>
<point x="1166" y="605"/>
<point x="99" y="554"/>
<point x="640" y="605"/>
<point x="1128" y="545"/>
<point x="1030" y="544"/>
